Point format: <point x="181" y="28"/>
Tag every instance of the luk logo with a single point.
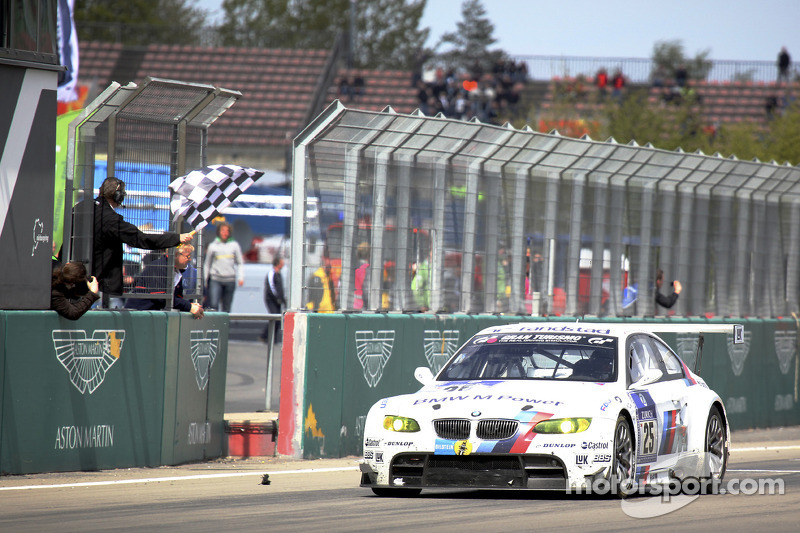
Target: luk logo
<point x="204" y="346"/>
<point x="439" y="346"/>
<point x="738" y="352"/>
<point x="87" y="359"/>
<point x="374" y="349"/>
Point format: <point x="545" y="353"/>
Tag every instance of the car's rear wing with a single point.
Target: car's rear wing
<point x="737" y="330"/>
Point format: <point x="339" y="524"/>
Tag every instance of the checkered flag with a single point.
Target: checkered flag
<point x="200" y="195"/>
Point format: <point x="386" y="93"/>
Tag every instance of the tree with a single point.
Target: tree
<point x="471" y="41"/>
<point x="140" y="22"/>
<point x="673" y="127"/>
<point x="387" y="33"/>
<point x="669" y="55"/>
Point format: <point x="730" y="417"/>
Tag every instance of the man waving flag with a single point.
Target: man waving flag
<point x="200" y="195"/>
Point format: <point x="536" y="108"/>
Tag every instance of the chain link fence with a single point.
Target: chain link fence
<point x="420" y="213"/>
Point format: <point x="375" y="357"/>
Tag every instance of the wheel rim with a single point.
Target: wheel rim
<point x="715" y="446"/>
<point x="623" y="453"/>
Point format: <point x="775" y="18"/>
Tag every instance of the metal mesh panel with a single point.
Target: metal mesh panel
<point x="432" y="214"/>
<point x="145" y="136"/>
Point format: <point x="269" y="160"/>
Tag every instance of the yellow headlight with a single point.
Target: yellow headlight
<point x="400" y="423"/>
<point x="563" y="425"/>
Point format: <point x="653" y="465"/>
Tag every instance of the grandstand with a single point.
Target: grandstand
<point x="716" y="102"/>
<point x="283" y="89"/>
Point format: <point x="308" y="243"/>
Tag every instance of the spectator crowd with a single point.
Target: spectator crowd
<point x="464" y="95"/>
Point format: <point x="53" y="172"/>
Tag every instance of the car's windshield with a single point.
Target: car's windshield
<point x="574" y="357"/>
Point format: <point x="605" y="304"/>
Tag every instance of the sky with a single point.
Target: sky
<point x="728" y="29"/>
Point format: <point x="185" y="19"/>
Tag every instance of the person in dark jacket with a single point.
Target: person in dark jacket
<point x="666" y="301"/>
<point x="109" y="232"/>
<point x="73" y="292"/>
<point x="274" y="296"/>
<point x="154" y="279"/>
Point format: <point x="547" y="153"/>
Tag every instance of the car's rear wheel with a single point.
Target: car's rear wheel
<point x="716" y="445"/>
<point x="623" y="467"/>
<point x="396" y="493"/>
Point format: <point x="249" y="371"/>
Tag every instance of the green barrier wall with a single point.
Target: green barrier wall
<point x="354" y="360"/>
<point x="114" y="389"/>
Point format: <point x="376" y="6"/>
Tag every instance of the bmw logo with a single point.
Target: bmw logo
<point x="476" y="413"/>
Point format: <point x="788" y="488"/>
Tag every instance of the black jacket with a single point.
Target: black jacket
<point x="71" y="302"/>
<point x="274" y="299"/>
<point x="154" y="279"/>
<point x="666" y="301"/>
<point x="110" y="232"/>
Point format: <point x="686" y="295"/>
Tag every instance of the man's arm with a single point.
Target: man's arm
<point x="71" y="310"/>
<point x="132" y="236"/>
<point x="666" y="301"/>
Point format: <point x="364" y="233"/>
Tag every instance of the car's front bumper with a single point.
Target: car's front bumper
<point x="476" y="471"/>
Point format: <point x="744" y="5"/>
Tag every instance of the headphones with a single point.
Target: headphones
<point x="119" y="193"/>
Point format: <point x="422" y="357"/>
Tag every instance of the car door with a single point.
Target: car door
<point x="660" y="406"/>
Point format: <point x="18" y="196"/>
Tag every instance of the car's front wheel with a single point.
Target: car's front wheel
<point x="623" y="467"/>
<point x="716" y="445"/>
<point x="397" y="493"/>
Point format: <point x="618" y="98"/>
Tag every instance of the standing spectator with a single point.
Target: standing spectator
<point x="224" y="265"/>
<point x="784" y="61"/>
<point x="451" y="284"/>
<point x="360" y="300"/>
<point x="617" y="84"/>
<point x="155" y="279"/>
<point x="274" y="296"/>
<point x="421" y="284"/>
<point x="321" y="294"/>
<point x="662" y="300"/>
<point x="344" y="88"/>
<point x="358" y="90"/>
<point x="601" y="81"/>
<point x="73" y="292"/>
<point x="681" y="76"/>
<point x="110" y="231"/>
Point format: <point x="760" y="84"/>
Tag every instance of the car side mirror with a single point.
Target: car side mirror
<point x="651" y="375"/>
<point x="424" y="375"/>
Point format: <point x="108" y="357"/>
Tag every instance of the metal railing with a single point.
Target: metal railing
<point x="261" y="317"/>
<point x="639" y="70"/>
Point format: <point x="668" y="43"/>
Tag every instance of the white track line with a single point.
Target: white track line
<point x="180" y="478"/>
<point x="764" y="448"/>
<point x="765" y="471"/>
<point x="316" y="470"/>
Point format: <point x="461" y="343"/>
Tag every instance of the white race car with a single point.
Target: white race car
<point x="552" y="405"/>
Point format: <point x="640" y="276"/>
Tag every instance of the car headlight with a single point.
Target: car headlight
<point x="562" y="425"/>
<point x="400" y="423"/>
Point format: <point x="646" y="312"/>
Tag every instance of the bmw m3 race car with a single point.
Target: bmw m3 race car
<point x="552" y="405"/>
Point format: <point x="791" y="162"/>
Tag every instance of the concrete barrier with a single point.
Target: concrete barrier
<point x="114" y="389"/>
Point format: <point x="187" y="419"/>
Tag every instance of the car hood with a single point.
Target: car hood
<point x="504" y="399"/>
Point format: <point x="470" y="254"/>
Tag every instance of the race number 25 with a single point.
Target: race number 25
<point x="648" y="437"/>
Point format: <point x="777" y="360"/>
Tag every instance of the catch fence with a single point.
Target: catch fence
<point x="423" y="213"/>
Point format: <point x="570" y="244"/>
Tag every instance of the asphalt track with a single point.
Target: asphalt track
<point x="323" y="495"/>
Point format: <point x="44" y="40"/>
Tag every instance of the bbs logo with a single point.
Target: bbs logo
<point x="368" y="454"/>
<point x="602" y="458"/>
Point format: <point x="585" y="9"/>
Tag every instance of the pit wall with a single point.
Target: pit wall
<point x="335" y="366"/>
<point x="114" y="389"/>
